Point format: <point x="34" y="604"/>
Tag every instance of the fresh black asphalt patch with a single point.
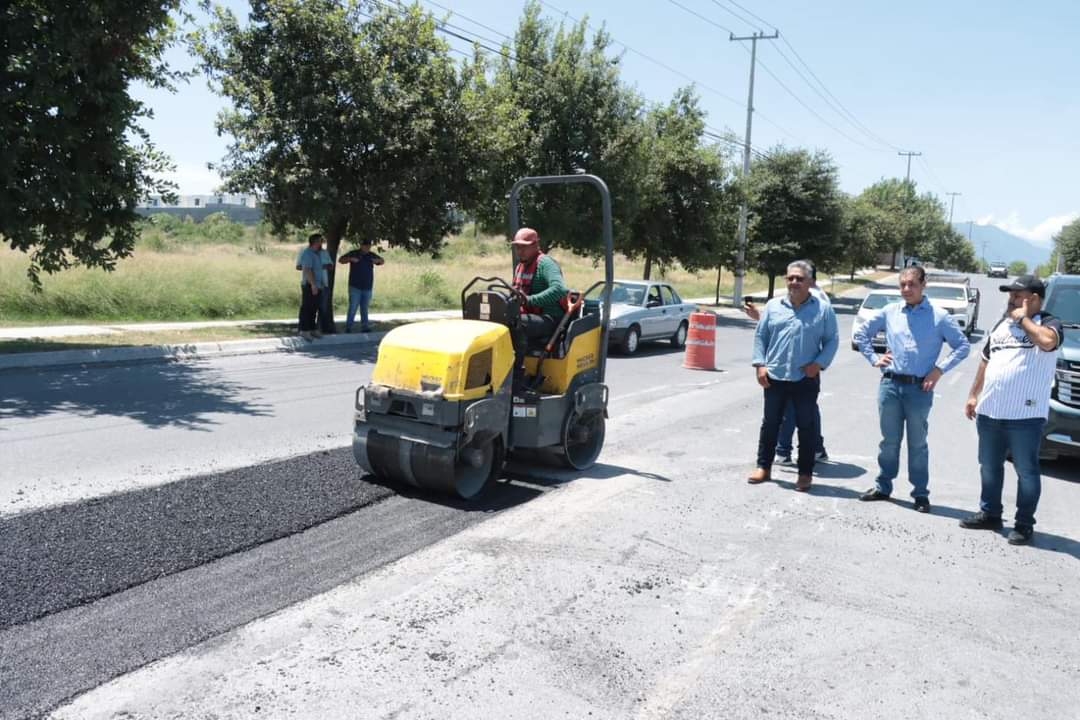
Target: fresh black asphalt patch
<point x="253" y="541"/>
<point x="64" y="556"/>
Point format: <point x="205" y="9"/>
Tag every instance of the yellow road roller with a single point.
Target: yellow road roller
<point x="445" y="407"/>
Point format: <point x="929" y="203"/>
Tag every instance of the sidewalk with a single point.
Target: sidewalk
<point x="197" y="350"/>
<point x="185" y="351"/>
<point x="46" y="332"/>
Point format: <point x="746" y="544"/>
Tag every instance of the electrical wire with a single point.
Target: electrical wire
<point x="737" y="16"/>
<point x="850" y="115"/>
<point x="651" y="59"/>
<point x="698" y="15"/>
<point x="824" y="92"/>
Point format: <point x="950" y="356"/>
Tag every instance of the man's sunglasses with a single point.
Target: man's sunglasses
<point x="796" y="278"/>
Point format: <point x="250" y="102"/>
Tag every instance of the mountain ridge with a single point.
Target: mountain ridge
<point x="1003" y="246"/>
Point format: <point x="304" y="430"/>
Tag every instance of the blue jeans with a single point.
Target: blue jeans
<point x="802" y="397"/>
<point x="786" y="442"/>
<point x="996" y="439"/>
<point x="358" y="299"/>
<point x="899" y="406"/>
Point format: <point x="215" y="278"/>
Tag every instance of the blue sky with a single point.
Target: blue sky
<point x="988" y="91"/>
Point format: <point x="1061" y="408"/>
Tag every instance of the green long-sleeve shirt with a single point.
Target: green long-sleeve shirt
<point x="548" y="287"/>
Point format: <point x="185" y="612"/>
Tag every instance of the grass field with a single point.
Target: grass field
<point x="219" y="270"/>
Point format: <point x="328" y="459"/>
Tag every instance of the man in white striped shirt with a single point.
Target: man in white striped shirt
<point x="1010" y="401"/>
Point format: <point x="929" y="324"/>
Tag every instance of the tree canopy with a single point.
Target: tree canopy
<point x="554" y="104"/>
<point x="350" y="122"/>
<point x="1067" y="243"/>
<point x="687" y="205"/>
<point x="795" y="211"/>
<point x="74" y="161"/>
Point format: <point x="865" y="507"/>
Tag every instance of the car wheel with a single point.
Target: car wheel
<point x="631" y="341"/>
<point x="678" y="340"/>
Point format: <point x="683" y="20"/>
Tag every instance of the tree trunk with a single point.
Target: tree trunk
<point x="333" y="236"/>
<point x="893" y="266"/>
<point x="648" y="264"/>
<point x="772" y="284"/>
<point x="852" y="272"/>
<point x="719" y="273"/>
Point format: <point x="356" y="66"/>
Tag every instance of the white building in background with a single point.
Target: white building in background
<point x="247" y="200"/>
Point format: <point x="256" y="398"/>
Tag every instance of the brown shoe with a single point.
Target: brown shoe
<point x="803" y="483"/>
<point x="759" y="475"/>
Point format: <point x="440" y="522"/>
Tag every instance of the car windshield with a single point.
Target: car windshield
<point x="625" y="293"/>
<point x="935" y="292"/>
<point x="1063" y="302"/>
<point x="876" y="301"/>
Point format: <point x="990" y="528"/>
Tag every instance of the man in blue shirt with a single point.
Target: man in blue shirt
<point x="309" y="263"/>
<point x="324" y="318"/>
<point x="361" y="264"/>
<point x="914" y="332"/>
<point x="795" y="340"/>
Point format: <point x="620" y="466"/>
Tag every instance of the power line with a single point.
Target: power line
<point x="653" y="60"/>
<point x="814" y="112"/>
<point x="728" y="137"/>
<point x="838" y="107"/>
<point x="839" y="104"/>
<point x="699" y="16"/>
<point x="784" y="131"/>
<point x="442" y="26"/>
<point x="934" y="178"/>
<point x="834" y="106"/>
<point x="751" y="14"/>
<point x="467" y="18"/>
<point x="737" y="16"/>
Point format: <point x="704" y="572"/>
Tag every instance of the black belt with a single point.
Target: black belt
<point x="904" y="379"/>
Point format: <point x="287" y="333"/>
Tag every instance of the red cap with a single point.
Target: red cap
<point x="525" y="236"/>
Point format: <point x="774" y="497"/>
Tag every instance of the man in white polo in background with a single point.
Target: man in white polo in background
<point x="1010" y="401"/>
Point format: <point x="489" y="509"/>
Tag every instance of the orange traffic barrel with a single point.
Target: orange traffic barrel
<point x="701" y="342"/>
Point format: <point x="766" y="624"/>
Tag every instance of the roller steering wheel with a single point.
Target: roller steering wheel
<point x="514" y="292"/>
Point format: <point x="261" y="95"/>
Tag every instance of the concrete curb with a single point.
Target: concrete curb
<point x="178" y="353"/>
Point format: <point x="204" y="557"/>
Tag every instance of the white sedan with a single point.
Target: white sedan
<point x="873" y="302"/>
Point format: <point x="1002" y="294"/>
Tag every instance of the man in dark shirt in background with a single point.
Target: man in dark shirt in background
<point x="361" y="264"/>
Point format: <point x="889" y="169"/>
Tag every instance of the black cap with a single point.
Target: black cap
<point x="1030" y="283"/>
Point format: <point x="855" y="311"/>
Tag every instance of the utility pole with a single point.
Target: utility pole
<point x="952" y="203"/>
<point x="740" y="255"/>
<point x="907" y="181"/>
<point x="909" y="156"/>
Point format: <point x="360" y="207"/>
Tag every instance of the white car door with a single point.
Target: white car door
<point x="652" y="324"/>
<point x="670" y="316"/>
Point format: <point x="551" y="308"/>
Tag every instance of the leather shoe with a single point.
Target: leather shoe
<point x="873" y="494"/>
<point x="981" y="521"/>
<point x="922" y="504"/>
<point x="803" y="483"/>
<point x="759" y="475"/>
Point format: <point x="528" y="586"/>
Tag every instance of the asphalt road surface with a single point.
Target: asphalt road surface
<point x="191" y="540"/>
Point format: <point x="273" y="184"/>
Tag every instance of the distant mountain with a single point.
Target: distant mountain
<point x="1003" y="246"/>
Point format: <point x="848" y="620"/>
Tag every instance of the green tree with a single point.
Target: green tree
<point x="554" y="104"/>
<point x="795" y="208"/>
<point x="893" y="198"/>
<point x="74" y="161"/>
<point x="686" y="209"/>
<point x="863" y="233"/>
<point x="1018" y="267"/>
<point x="1067" y="243"/>
<point x="351" y="123"/>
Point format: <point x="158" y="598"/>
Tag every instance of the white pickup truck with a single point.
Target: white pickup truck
<point x="954" y="294"/>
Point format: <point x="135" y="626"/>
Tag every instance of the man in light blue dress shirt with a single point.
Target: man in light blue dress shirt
<point x="914" y="333"/>
<point x="795" y="340"/>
